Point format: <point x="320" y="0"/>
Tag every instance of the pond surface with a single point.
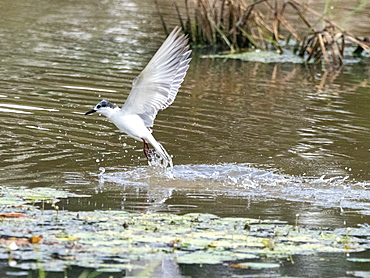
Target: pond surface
<point x="248" y="139"/>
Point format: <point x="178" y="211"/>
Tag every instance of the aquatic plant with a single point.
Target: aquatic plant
<point x="263" y="24"/>
<point x="114" y="241"/>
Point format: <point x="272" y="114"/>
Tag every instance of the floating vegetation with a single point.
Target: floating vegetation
<point x="10" y="196"/>
<point x="236" y="25"/>
<point x="115" y="241"/>
<point x="261" y="56"/>
<point x="118" y="240"/>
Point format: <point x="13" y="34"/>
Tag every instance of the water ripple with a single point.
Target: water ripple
<point x="230" y="122"/>
<point x="207" y="181"/>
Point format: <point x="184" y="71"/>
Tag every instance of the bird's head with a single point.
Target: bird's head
<point x="104" y="107"/>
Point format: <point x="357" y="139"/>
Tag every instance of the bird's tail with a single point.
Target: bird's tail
<point x="166" y="159"/>
<point x="161" y="157"/>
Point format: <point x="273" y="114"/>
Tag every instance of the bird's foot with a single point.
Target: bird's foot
<point x="150" y="154"/>
<point x="147" y="151"/>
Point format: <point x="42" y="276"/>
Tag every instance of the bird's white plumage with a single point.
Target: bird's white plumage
<point x="154" y="89"/>
<point x="157" y="85"/>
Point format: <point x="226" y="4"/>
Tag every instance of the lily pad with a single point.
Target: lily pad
<point x="11" y="196"/>
<point x="262" y="56"/>
<point x="121" y="240"/>
<point x="256" y="265"/>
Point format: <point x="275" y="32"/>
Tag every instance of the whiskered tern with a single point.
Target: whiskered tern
<point x="154" y="89"/>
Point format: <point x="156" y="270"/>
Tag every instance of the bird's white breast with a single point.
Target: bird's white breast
<point x="131" y="124"/>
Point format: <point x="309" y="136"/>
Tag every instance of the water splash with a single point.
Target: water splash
<point x="245" y="180"/>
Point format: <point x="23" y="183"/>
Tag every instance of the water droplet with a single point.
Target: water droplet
<point x="13" y="246"/>
<point x="102" y="170"/>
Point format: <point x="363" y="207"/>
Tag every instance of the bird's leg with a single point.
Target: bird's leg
<point x="146" y="149"/>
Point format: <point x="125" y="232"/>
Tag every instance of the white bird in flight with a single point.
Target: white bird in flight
<point x="154" y="89"/>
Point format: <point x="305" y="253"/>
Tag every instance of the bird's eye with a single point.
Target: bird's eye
<point x="98" y="106"/>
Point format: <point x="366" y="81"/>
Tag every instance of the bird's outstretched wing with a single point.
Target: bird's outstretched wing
<point x="157" y="85"/>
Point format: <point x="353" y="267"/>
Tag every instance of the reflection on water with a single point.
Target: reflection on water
<point x="295" y="119"/>
<point x="248" y="139"/>
<point x="229" y="190"/>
